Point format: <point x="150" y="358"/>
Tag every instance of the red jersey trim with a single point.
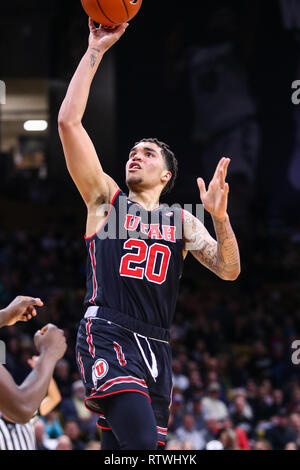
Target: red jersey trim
<point x="161" y="443"/>
<point x="102" y="427"/>
<point x="81" y="366"/>
<point x="90" y="338"/>
<point x="111" y="206"/>
<point x="92" y="252"/>
<point x="120" y="380"/>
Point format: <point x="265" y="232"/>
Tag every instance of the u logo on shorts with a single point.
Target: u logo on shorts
<point x="100" y="369"/>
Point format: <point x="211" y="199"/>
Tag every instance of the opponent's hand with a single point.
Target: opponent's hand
<point x="52" y="340"/>
<point x="20" y="309"/>
<point x="215" y="199"/>
<point x="103" y="38"/>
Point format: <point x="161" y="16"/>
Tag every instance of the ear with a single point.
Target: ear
<point x="166" y="177"/>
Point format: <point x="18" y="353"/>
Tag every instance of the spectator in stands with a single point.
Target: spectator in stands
<point x="261" y="444"/>
<point x="294" y="424"/>
<point x="188" y="432"/>
<point x="278" y="402"/>
<point x="43" y="441"/>
<point x="262" y="405"/>
<point x="291" y="446"/>
<point x="195" y="408"/>
<point x="212" y="429"/>
<point x="281" y="433"/>
<point x="93" y="445"/>
<point x="240" y="435"/>
<point x="63" y="378"/>
<point x="241" y="413"/>
<point x="52" y="425"/>
<point x="211" y="403"/>
<point x="173" y="445"/>
<point x="73" y="409"/>
<point x="72" y="430"/>
<point x="64" y="443"/>
<point x="177" y="411"/>
<point x="261" y="362"/>
<point x="238" y="371"/>
<point x="228" y="438"/>
<point x="180" y="381"/>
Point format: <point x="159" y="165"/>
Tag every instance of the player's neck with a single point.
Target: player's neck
<point x="148" y="199"/>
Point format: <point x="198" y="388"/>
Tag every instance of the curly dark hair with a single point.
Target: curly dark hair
<point x="170" y="159"/>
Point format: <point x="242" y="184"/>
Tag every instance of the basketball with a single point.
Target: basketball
<point x="111" y="13"/>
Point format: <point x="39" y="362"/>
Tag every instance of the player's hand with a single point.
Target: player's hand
<point x="104" y="38"/>
<point x="20" y="309"/>
<point x="52" y="340"/>
<point x="215" y="198"/>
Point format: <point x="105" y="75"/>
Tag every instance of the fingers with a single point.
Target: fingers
<point x="31" y="311"/>
<point x="109" y="29"/>
<point x="92" y="25"/>
<point x="225" y="166"/>
<point x="222" y="178"/>
<point x="221" y="171"/>
<point x="219" y="166"/>
<point x="201" y="186"/>
<point x="32" y="301"/>
<point x="118" y="31"/>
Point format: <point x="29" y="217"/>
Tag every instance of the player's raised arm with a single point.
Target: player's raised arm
<point x="81" y="157"/>
<point x="19" y="403"/>
<point x="222" y="255"/>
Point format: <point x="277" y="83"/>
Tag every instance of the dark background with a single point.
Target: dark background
<point x="213" y="80"/>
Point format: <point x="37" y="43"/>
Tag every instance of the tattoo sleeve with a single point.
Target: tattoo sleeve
<point x="221" y="256"/>
<point x="228" y="250"/>
<point x="94" y="56"/>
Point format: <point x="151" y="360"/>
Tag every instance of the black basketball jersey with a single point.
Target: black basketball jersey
<point x="135" y="261"/>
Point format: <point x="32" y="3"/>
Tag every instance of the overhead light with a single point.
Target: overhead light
<point x="35" y="126"/>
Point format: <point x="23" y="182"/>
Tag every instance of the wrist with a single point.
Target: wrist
<point x="222" y="219"/>
<point x="49" y="354"/>
<point x="96" y="50"/>
<point x="3" y="318"/>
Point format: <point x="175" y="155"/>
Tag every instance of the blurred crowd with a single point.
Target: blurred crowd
<point x="235" y="372"/>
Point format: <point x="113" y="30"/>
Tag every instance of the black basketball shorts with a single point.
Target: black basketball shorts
<point x="114" y="359"/>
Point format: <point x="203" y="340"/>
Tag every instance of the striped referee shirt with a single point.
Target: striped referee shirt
<point x="17" y="436"/>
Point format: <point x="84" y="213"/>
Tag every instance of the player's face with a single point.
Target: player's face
<point x="146" y="167"/>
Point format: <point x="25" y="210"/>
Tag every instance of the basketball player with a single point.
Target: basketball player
<point x="123" y="350"/>
<point x="19" y="403"/>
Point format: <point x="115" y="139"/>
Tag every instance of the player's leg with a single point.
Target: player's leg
<point x="131" y="418"/>
<point x="109" y="440"/>
<point x="161" y="391"/>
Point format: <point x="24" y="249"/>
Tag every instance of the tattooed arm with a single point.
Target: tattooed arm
<point x="221" y="256"/>
<point x="81" y="157"/>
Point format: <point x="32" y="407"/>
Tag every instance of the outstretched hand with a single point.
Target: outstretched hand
<point x="21" y="309"/>
<point x="104" y="38"/>
<point x="215" y="198"/>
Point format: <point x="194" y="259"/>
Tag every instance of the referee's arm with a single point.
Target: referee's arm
<point x="19" y="403"/>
